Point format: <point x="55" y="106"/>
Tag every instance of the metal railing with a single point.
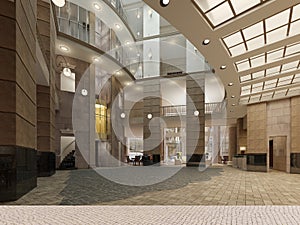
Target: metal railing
<point x="180" y="110"/>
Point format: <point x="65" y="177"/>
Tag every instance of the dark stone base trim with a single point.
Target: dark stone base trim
<point x="18" y="173"/>
<point x="257" y="162"/>
<point x="295" y="163"/>
<point x="46" y="163"/>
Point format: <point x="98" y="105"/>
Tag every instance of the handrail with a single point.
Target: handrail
<point x="62" y="153"/>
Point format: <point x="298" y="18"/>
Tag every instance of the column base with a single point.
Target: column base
<point x="18" y="174"/>
<point x="46" y="163"/>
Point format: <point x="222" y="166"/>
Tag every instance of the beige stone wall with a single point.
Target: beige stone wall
<point x="18" y="74"/>
<point x="295" y="124"/>
<point x="257" y="128"/>
<point x="278" y="126"/>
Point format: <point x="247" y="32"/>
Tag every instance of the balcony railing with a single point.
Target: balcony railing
<point x="180" y="110"/>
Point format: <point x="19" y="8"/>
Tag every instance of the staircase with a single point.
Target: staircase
<point x="68" y="163"/>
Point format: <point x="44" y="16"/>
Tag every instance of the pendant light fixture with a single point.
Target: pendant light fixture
<point x="59" y="3"/>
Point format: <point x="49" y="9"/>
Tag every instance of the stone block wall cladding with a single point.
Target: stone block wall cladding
<point x="195" y="125"/>
<point x="278" y="130"/>
<point x="46" y="94"/>
<point x="17" y="97"/>
<point x="232" y="142"/>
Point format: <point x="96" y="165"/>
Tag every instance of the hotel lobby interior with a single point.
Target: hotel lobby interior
<point x="150" y="111"/>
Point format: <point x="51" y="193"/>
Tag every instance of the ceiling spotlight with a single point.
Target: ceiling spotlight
<point x="97" y="6"/>
<point x="233" y="104"/>
<point x="206" y="42"/>
<point x="67" y="72"/>
<point x="149" y="116"/>
<point x="230" y="84"/>
<point x="118" y="26"/>
<point x="232" y="96"/>
<point x="84" y="92"/>
<point x="223" y="67"/>
<point x="127" y="43"/>
<point x="64" y="48"/>
<point x="59" y="3"/>
<point x="96" y="59"/>
<point x="138" y="33"/>
<point x="164" y="3"/>
<point x="123" y="115"/>
<point x="118" y="73"/>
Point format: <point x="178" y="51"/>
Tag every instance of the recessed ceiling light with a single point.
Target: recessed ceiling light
<point x="230" y="84"/>
<point x="196" y="113"/>
<point x="138" y="33"/>
<point x="233" y="104"/>
<point x="149" y="116"/>
<point x="232" y="96"/>
<point x="59" y="3"/>
<point x="96" y="59"/>
<point x="132" y="71"/>
<point x="164" y="3"/>
<point x="206" y="42"/>
<point x="223" y="67"/>
<point x="118" y="73"/>
<point x="97" y="6"/>
<point x="138" y="15"/>
<point x="123" y="115"/>
<point x="127" y="43"/>
<point x="118" y="26"/>
<point x="64" y="48"/>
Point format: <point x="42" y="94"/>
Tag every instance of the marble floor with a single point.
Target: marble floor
<point x="218" y="185"/>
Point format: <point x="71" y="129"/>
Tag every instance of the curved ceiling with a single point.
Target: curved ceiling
<point x="258" y="41"/>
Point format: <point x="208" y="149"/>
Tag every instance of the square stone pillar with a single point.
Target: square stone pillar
<point x="17" y="98"/>
<point x="195" y="120"/>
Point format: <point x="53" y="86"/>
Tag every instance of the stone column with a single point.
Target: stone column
<point x="152" y="128"/>
<point x="46" y="33"/>
<point x="17" y="98"/>
<point x="195" y="124"/>
<point x="232" y="143"/>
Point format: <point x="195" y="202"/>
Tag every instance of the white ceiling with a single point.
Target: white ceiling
<point x="258" y="41"/>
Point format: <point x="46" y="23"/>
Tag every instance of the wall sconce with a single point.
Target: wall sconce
<point x="243" y="148"/>
<point x="67" y="72"/>
<point x="59" y="3"/>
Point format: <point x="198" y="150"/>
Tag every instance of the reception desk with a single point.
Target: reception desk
<point x="250" y="162"/>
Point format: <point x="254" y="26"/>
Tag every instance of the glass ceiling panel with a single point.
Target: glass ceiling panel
<point x="278" y="20"/>
<point x="277" y="35"/>
<point x="220" y="14"/>
<point x="241" y="6"/>
<point x="258" y="74"/>
<point x="253" y="31"/>
<point x="256" y="43"/>
<point x="296" y="12"/>
<point x="294" y="30"/>
<point x="293" y="49"/>
<point x="205" y="5"/>
<point x="237" y="50"/>
<point x="233" y="39"/>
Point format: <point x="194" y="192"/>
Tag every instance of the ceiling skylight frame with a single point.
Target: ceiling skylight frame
<point x="235" y="6"/>
<point x="269" y="36"/>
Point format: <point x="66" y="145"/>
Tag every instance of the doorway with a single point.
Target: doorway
<point x="271" y="154"/>
<point x="278" y="153"/>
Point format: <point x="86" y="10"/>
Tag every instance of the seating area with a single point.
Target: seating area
<point x="144" y="160"/>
